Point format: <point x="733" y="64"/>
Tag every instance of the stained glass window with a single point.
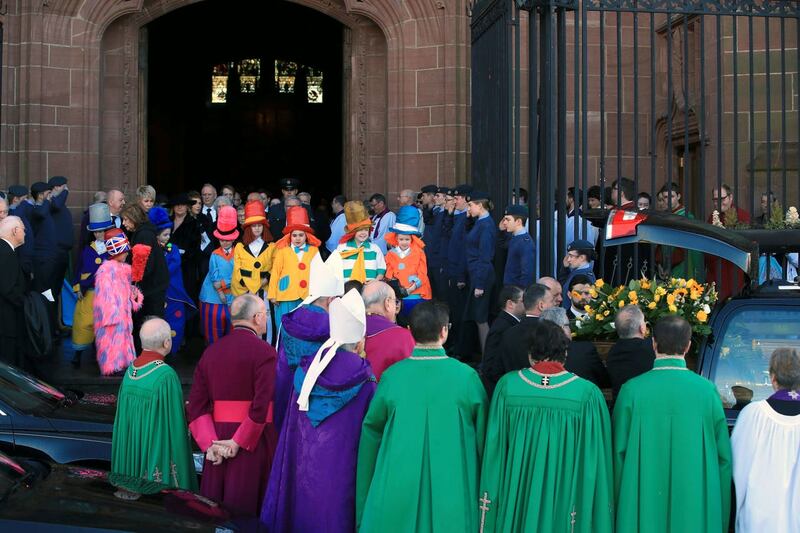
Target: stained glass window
<point x="314" y="83"/>
<point x="249" y="75"/>
<point x="285" y="73"/>
<point x="219" y="83"/>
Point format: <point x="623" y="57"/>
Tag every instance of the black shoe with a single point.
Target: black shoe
<point x="76" y="360"/>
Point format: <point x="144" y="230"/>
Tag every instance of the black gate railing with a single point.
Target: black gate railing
<point x="700" y="93"/>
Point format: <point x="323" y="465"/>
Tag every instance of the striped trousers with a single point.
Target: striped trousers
<point x="215" y="320"/>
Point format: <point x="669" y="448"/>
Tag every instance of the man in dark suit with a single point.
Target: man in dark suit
<point x="514" y="348"/>
<point x="277" y="213"/>
<point x="12" y="291"/>
<point x="582" y="357"/>
<point x="632" y="354"/>
<point x="511" y="311"/>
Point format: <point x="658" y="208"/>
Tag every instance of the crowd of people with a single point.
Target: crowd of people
<point x="395" y="371"/>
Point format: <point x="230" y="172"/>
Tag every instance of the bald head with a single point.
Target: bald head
<point x="156" y="336"/>
<point x="116" y="201"/>
<point x="13" y="230"/>
<point x="554" y="287"/>
<point x="249" y="311"/>
<point x="379" y="299"/>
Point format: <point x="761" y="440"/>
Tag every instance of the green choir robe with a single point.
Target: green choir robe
<point x="547" y="462"/>
<point x="420" y="449"/>
<point x="672" y="453"/>
<point x="151" y="438"/>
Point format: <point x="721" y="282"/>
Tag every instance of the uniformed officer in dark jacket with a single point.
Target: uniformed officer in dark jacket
<point x="277" y="213"/>
<point x="62" y="218"/>
<point x="45" y="252"/>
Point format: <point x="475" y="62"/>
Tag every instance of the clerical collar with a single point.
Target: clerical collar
<point x="247" y="328"/>
<point x="546" y="380"/>
<point x="146" y="357"/>
<point x="669" y="362"/>
<point x="427" y="352"/>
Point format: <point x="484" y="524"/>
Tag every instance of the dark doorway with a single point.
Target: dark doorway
<point x="233" y="96"/>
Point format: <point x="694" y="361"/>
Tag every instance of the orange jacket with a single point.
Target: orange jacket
<point x="414" y="264"/>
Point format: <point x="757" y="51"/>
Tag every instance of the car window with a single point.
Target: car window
<point x="24" y="392"/>
<point x="743" y="349"/>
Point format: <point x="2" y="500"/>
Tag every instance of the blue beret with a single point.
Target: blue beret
<point x="57" y="181"/>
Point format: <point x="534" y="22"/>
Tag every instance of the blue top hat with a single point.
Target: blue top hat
<point x="407" y="222"/>
<point x="159" y="217"/>
<point x="99" y="217"/>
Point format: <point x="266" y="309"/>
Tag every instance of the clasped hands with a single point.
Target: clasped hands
<point x="221" y="450"/>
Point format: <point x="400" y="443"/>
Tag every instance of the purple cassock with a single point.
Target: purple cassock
<point x="302" y="333"/>
<point x="313" y="480"/>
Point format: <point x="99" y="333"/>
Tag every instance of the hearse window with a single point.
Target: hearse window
<point x="743" y="349"/>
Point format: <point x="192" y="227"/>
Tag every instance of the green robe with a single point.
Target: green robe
<point x="420" y="450"/>
<point x="692" y="266"/>
<point x="151" y="439"/>
<point x="672" y="454"/>
<point x="547" y="462"/>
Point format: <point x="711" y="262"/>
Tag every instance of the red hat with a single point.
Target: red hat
<point x="116" y="242"/>
<point x="254" y="213"/>
<point x="297" y="219"/>
<point x="227" y="224"/>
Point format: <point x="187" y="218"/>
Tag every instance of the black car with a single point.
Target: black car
<point x="37" y="496"/>
<point x="747" y="328"/>
<point x="39" y="420"/>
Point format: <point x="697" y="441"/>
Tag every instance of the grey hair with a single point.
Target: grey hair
<point x="376" y="292"/>
<point x="784" y="365"/>
<point x="292" y="198"/>
<point x="100" y="196"/>
<point x="222" y="201"/>
<point x="155" y="337"/>
<point x="629" y="321"/>
<point x="306" y="195"/>
<point x="244" y="307"/>
<point x="556" y="315"/>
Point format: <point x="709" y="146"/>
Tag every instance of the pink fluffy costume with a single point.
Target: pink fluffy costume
<point x="115" y="300"/>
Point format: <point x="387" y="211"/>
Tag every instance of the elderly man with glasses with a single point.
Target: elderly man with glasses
<point x="386" y="342"/>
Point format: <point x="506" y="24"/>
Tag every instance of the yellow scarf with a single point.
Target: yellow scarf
<point x="359" y="272"/>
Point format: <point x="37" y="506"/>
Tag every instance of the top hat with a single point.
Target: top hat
<point x="297" y="220"/>
<point x="227" y="222"/>
<point x="116" y="242"/>
<point x="254" y="213"/>
<point x="356" y="216"/>
<point x="180" y="199"/>
<point x="159" y="217"/>
<point x="99" y="218"/>
<point x="407" y="221"/>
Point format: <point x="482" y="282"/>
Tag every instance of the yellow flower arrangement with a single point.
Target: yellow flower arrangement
<point x="687" y="298"/>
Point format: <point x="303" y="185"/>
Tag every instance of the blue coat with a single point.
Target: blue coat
<point x="479" y="248"/>
<point x="519" y="265"/>
<point x="455" y="263"/>
<point x="433" y="238"/>
<point x="63" y="221"/>
<point x="44" y="228"/>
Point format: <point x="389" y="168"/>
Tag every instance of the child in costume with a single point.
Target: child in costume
<point x="291" y="264"/>
<point x="357" y="257"/>
<point x="215" y="294"/>
<point x="178" y="300"/>
<point x="92" y="257"/>
<point x="115" y="300"/>
<point x="252" y="258"/>
<point x="406" y="261"/>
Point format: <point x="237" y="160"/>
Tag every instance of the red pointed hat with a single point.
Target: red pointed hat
<point x="227" y="221"/>
<point x="254" y="213"/>
<point x="297" y="219"/>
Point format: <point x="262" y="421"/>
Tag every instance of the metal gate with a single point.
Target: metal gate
<point x="700" y="93"/>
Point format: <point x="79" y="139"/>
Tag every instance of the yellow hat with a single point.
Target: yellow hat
<point x="356" y="216"/>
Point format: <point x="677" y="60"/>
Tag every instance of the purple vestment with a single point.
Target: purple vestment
<point x="313" y="480"/>
<point x="302" y="333"/>
<point x="386" y="343"/>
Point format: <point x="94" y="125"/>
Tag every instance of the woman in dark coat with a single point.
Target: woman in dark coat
<point x="155" y="279"/>
<point x="186" y="236"/>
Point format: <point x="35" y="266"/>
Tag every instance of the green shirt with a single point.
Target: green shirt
<point x="672" y="454"/>
<point x="151" y="439"/>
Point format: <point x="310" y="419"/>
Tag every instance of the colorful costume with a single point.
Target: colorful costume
<point x="361" y="262"/>
<point x="235" y="404"/>
<point x="547" y="462"/>
<point x="115" y="301"/>
<point x="92" y="257"/>
<point x="312" y="484"/>
<point x="179" y="303"/>
<point x="150" y="438"/>
<point x="409" y="267"/>
<point x="288" y="283"/>
<point x="215" y="313"/>
<point x="421" y="444"/>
